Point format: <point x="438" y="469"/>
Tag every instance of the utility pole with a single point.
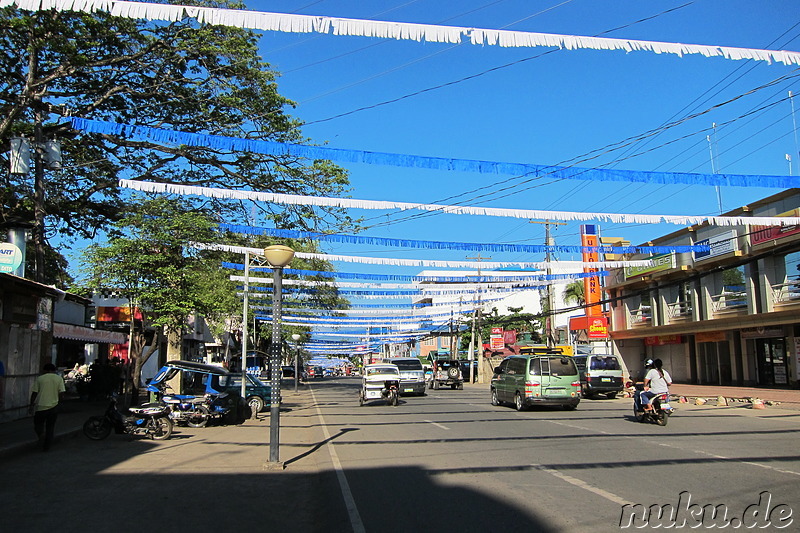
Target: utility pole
<point x="549" y="321"/>
<point x="478" y="313"/>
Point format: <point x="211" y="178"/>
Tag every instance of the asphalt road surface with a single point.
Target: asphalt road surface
<point x="448" y="461"/>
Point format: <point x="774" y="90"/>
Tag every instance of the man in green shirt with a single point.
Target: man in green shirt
<point x="45" y="395"/>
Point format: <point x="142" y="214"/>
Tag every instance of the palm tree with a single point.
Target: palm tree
<point x="574" y="293"/>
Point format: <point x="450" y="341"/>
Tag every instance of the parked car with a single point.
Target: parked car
<point x="536" y="379"/>
<point x="258" y="392"/>
<point x="600" y="374"/>
<point x="447" y="373"/>
<point x="412" y="375"/>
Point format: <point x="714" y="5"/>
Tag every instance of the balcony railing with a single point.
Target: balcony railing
<point x="641" y="316"/>
<point x="788" y="292"/>
<point x="731" y="298"/>
<point x="681" y="309"/>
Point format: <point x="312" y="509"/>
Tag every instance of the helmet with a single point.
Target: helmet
<point x="649" y="362"/>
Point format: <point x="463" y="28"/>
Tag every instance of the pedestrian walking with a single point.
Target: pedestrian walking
<point x="45" y="396"/>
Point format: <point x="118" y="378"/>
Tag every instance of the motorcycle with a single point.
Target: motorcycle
<point x="661" y="408"/>
<point x="189" y="410"/>
<point x="149" y="419"/>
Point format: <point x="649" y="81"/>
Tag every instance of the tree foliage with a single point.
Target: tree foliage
<point x="182" y="75"/>
<point x="148" y="262"/>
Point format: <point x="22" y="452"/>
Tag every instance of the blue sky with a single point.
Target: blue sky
<point x="546" y="110"/>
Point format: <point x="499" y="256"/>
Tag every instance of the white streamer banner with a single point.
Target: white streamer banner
<point x="349" y="203"/>
<point x="289" y="23"/>
<point x="553" y="265"/>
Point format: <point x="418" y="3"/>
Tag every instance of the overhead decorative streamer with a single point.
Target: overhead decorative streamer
<point x="292" y="23"/>
<point x="483" y="278"/>
<point x="566" y="265"/>
<point x="389" y="292"/>
<point x="445" y="245"/>
<point x="237" y="144"/>
<point x="422" y="287"/>
<point x="350" y="203"/>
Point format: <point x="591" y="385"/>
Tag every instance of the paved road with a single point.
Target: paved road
<point x="452" y="462"/>
<point x="448" y="461"/>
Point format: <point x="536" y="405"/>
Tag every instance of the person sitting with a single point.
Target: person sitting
<point x="657" y="381"/>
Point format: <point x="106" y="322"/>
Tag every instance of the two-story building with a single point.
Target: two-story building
<point x="728" y="316"/>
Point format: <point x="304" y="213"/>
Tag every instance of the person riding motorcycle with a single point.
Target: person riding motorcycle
<point x="657" y="381"/>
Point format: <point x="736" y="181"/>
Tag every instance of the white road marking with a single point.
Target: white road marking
<point x="666" y="445"/>
<point x="437" y="424"/>
<point x="347" y="494"/>
<point x="583" y="485"/>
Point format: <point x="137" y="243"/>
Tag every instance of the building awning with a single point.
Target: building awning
<point x="81" y="333"/>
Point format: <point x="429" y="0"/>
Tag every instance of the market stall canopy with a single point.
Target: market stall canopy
<point x="82" y="333"/>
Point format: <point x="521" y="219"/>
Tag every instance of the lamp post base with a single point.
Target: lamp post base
<point x="273" y="466"/>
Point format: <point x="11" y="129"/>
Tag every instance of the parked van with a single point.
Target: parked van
<point x="600" y="374"/>
<point x="530" y="379"/>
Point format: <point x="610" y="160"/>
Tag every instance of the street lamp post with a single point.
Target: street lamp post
<point x="296" y="339"/>
<point x="278" y="257"/>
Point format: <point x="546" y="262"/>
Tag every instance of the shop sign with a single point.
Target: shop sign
<point x="759" y="234"/>
<point x="591" y="284"/>
<point x="10" y="257"/>
<point x="598" y="327"/>
<point x="496" y="343"/>
<point x="762" y="333"/>
<point x="711" y="336"/>
<point x="718" y="245"/>
<point x="657" y="264"/>
<point x="661" y="340"/>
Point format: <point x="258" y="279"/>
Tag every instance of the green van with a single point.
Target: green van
<point x="537" y="379"/>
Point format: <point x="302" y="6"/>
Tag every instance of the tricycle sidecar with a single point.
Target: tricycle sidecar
<point x="380" y="382"/>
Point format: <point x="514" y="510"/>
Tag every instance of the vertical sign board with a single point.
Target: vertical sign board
<point x="591" y="284"/>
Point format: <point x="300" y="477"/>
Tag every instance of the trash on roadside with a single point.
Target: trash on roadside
<point x="722" y="401"/>
<point x="756" y="403"/>
<point x="700" y="401"/>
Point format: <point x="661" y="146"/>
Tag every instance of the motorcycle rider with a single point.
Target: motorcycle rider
<point x="657" y="381"/>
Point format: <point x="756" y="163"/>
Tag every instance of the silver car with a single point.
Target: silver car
<point x="412" y="375"/>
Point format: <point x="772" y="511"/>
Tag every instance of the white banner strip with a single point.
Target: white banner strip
<point x="350" y="203"/>
<point x="554" y="265"/>
<point x="288" y="23"/>
<point x="422" y="287"/>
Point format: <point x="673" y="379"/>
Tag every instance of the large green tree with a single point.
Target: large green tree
<point x="182" y="76"/>
<point x="148" y="261"/>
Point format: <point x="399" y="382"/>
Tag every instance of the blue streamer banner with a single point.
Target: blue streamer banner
<point x="420" y="279"/>
<point x="466" y="246"/>
<point x="234" y="144"/>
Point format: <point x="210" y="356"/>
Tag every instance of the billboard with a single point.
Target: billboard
<point x="591" y="285"/>
<point x="760" y="234"/>
<point x="657" y="264"/>
<point x="720" y="244"/>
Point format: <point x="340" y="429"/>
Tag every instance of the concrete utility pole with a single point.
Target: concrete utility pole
<point x="549" y="321"/>
<point x="478" y="313"/>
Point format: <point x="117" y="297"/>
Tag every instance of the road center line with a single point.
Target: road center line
<point x="583" y="485"/>
<point x="347" y="494"/>
<point x="438" y="425"/>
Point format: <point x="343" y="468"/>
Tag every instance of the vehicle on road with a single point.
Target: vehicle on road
<point x="412" y="375"/>
<point x="600" y="374"/>
<point x="536" y="379"/>
<point x="151" y="420"/>
<point x="659" y="414"/>
<point x="380" y="382"/>
<point x="446" y="373"/>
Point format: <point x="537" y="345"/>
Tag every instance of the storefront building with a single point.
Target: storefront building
<point x="727" y="316"/>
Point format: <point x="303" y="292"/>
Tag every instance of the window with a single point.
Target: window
<point x="516" y="366"/>
<point x="604" y="363"/>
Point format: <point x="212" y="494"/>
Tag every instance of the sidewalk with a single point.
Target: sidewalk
<point x="789" y="398"/>
<point x="18" y="435"/>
